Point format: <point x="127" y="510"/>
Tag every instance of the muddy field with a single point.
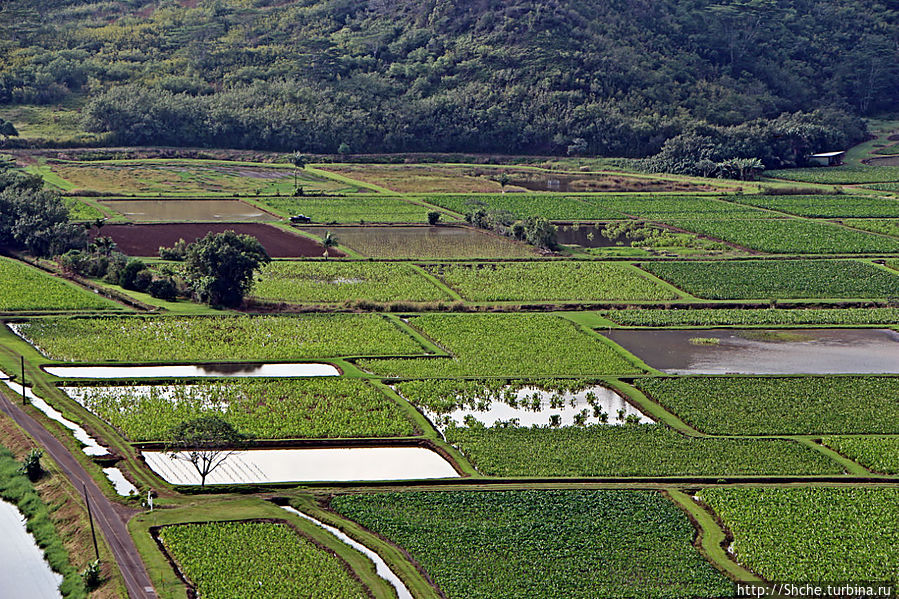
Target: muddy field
<point x="145" y="240"/>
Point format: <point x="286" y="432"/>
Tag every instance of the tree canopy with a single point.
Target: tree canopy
<point x="220" y="267"/>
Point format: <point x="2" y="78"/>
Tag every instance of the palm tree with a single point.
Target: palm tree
<point x="299" y="161"/>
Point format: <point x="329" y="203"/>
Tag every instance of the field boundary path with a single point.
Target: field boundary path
<point x="110" y="517"/>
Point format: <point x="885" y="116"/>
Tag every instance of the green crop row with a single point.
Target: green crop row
<point x="505" y="344"/>
<point x="628" y="450"/>
<point x="263" y="560"/>
<point x="23" y="287"/>
<point x="781" y="406"/>
<point x="264" y="408"/>
<point x="756" y="316"/>
<point x="884" y="226"/>
<point x="778" y="279"/>
<point x="678" y="207"/>
<point x="229" y="338"/>
<point x="812" y="534"/>
<point x="79" y="210"/>
<point x="549" y="281"/>
<point x="376" y="209"/>
<point x="893" y="187"/>
<point x="880" y="454"/>
<point x="846" y="174"/>
<point x="789" y="236"/>
<point x="552" y="207"/>
<point x="341" y="281"/>
<point x="825" y="206"/>
<point x="543" y="544"/>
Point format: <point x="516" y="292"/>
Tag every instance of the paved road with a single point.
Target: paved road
<point x="109" y="517"/>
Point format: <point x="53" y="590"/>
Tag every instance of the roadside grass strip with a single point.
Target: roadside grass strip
<point x="629" y="450"/>
<point x="345" y="281"/>
<point x="263" y="560"/>
<point x="778" y="279"/>
<point x="543" y="544"/>
<point x="814" y="534"/>
<point x="549" y="281"/>
<point x="505" y="344"/>
<point x="25" y="288"/>
<point x="780" y="405"/>
<point x="263" y="408"/>
<point x="226" y="338"/>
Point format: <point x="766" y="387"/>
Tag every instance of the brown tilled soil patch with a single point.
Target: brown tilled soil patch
<point x="145" y="240"/>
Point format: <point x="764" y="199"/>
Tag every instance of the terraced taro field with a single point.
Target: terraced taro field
<point x="348" y="385"/>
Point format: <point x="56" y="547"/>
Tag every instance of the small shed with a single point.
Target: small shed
<point x="827" y="158"/>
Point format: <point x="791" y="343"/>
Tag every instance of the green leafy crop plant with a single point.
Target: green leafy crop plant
<point x="550" y="281"/>
<point x="629" y="450"/>
<point x="263" y="560"/>
<point x="846" y="174"/>
<point x="780" y="405"/>
<point x="25" y="288"/>
<point x="302" y="281"/>
<point x="227" y="338"/>
<point x="377" y="209"/>
<point x="543" y="544"/>
<point x="658" y="317"/>
<point x="825" y="206"/>
<point x="778" y="279"/>
<point x="264" y="408"/>
<point x="815" y="534"/>
<point x="880" y="454"/>
<point x="538" y="345"/>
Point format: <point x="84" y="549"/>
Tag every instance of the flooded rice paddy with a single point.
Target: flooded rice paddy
<point x="757" y="351"/>
<point x="194" y="371"/>
<point x="23" y="570"/>
<point x="187" y="210"/>
<point x="309" y="465"/>
<point x="381" y="567"/>
<point x="532" y="406"/>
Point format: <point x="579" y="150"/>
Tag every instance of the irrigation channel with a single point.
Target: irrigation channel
<point x="23" y="570"/>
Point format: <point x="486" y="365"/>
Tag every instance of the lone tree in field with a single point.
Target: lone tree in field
<point x="206" y="442"/>
<point x="299" y="161"/>
<point x="221" y="266"/>
<point x="7" y="130"/>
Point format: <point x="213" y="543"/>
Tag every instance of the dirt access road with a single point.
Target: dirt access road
<point x="110" y="517"/>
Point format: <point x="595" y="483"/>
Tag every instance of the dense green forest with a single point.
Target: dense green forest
<point x="615" y="78"/>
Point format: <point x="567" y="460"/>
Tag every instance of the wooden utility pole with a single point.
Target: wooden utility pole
<point x="91" y="518"/>
<point x="22" y="360"/>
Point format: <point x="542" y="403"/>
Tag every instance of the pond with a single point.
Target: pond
<point x="23" y="570"/>
<point x="588" y="235"/>
<point x="187" y="210"/>
<point x="309" y="465"/>
<point x="532" y="406"/>
<point x="194" y="371"/>
<point x="759" y="351"/>
<point x="381" y="567"/>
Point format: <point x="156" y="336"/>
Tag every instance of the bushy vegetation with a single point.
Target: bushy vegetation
<point x="782" y="533"/>
<point x="263" y="408"/>
<point x="216" y="338"/>
<point x="548" y="281"/>
<point x="658" y="317"/>
<point x="825" y="206"/>
<point x="610" y="79"/>
<point x="25" y="288"/>
<point x="343" y="281"/>
<point x="350" y="210"/>
<point x="505" y="344"/>
<point x="629" y="450"/>
<point x="880" y="454"/>
<point x="543" y="544"/>
<point x="778" y="279"/>
<point x="267" y="560"/>
<point x="790" y="236"/>
<point x="776" y="406"/>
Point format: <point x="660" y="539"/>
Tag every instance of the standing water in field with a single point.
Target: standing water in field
<point x="260" y="466"/>
<point x="194" y="371"/>
<point x="761" y="351"/>
<point x="23" y="570"/>
<point x="381" y="566"/>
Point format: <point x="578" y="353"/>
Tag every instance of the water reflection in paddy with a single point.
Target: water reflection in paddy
<point x="194" y="371"/>
<point x="297" y="465"/>
<point x="758" y="351"/>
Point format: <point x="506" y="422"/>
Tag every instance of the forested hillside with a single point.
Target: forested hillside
<point x="520" y="76"/>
